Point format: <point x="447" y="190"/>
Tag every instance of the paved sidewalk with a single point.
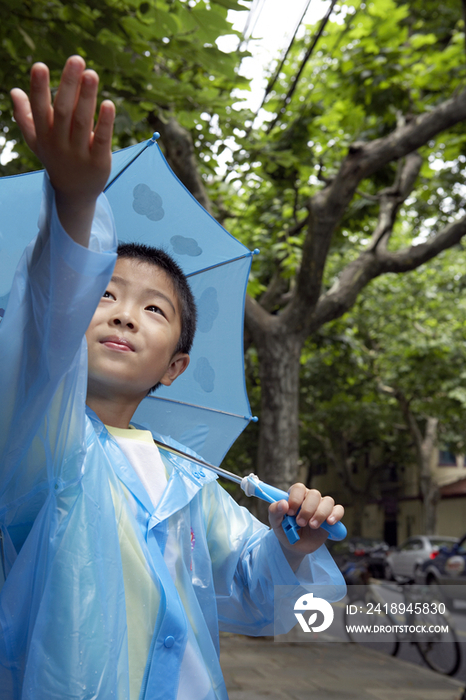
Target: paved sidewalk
<point x="261" y="669"/>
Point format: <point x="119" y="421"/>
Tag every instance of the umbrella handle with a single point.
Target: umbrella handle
<point x="253" y="487"/>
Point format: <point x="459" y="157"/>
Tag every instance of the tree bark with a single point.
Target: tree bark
<point x="337" y="451"/>
<point x="424" y="447"/>
<point x="278" y="448"/>
<point x="358" y="503"/>
<point x="429" y="489"/>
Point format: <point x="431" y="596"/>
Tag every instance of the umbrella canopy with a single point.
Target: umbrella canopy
<point x="207" y="407"/>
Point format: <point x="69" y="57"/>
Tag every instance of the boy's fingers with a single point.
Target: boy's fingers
<point x="102" y="141"/>
<point x="67" y="96"/>
<point x="303" y="502"/>
<point x="277" y="511"/>
<point x="23" y="116"/>
<point x="336" y="514"/>
<point x="40" y="99"/>
<point x="84" y="111"/>
<point x="297" y="494"/>
<point x="321" y="513"/>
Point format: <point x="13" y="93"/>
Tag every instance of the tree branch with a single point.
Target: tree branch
<point x="392" y="198"/>
<point x="366" y="158"/>
<point x="411" y="422"/>
<point x="274" y="292"/>
<point x="371" y="264"/>
<point x="410" y="258"/>
<point x="257" y="320"/>
<point x="370" y="197"/>
<point x="277" y="286"/>
<point x="329" y="204"/>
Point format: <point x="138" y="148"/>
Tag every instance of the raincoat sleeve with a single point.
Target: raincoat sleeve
<point x="43" y="375"/>
<point x="251" y="571"/>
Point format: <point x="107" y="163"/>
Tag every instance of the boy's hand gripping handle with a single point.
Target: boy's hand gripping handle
<point x="253" y="487"/>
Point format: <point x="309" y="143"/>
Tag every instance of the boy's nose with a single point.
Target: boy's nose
<point x="124" y="319"/>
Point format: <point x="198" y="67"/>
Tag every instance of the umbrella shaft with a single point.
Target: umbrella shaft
<point x="223" y="472"/>
<point x="253" y="487"/>
<point x="218" y="470"/>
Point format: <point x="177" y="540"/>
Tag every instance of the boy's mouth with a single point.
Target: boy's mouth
<point x="115" y="343"/>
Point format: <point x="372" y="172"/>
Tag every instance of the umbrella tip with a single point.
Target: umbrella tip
<point x="256" y="251"/>
<point x="254" y="419"/>
<point x="155" y="136"/>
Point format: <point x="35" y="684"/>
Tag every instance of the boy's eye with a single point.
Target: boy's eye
<point x="155" y="309"/>
<point x="107" y="295"/>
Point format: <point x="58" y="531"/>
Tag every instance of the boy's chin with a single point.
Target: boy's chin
<point x="115" y="389"/>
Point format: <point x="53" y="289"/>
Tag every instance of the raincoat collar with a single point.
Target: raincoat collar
<point x="185" y="478"/>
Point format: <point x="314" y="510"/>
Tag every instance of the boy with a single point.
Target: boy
<point x="122" y="562"/>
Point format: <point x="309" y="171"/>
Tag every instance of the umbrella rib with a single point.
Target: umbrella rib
<point x="149" y="143"/>
<point x="220" y="264"/>
<point x="204" y="408"/>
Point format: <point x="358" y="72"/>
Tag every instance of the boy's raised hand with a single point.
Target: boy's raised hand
<point x="313" y="510"/>
<point x="76" y="155"/>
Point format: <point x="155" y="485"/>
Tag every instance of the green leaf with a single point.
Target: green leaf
<point x="418" y="41"/>
<point x="459" y="394"/>
<point x="230" y="5"/>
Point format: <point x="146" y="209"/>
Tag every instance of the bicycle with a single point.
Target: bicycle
<point x="418" y="619"/>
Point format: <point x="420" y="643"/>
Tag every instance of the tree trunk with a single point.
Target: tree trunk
<point x="430" y="499"/>
<point x="428" y="487"/>
<point x="358" y="502"/>
<point x="424" y="446"/>
<point x="278" y="448"/>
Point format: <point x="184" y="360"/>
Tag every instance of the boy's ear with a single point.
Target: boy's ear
<point x="177" y="366"/>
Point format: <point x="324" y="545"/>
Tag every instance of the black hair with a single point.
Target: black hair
<point x="159" y="258"/>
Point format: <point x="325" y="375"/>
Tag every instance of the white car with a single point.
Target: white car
<point x="405" y="561"/>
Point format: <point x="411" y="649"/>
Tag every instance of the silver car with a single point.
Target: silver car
<point x="405" y="561"/>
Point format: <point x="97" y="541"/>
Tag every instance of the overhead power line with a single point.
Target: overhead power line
<point x="306" y="58"/>
<point x="252" y="19"/>
<point x="275" y="76"/>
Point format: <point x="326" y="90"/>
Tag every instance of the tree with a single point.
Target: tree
<point x="349" y="429"/>
<point x="383" y="386"/>
<point x="422" y="364"/>
<point x="351" y="160"/>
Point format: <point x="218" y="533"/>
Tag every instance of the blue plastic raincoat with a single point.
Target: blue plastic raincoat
<point x="89" y="562"/>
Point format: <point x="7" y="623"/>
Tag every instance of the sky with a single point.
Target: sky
<point x="273" y="23"/>
<point x="270" y="29"/>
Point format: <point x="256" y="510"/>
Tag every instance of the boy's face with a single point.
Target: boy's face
<point x="134" y="332"/>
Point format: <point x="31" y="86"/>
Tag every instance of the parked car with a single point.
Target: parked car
<point x="446" y="570"/>
<point x="404" y="562"/>
<point x="360" y="550"/>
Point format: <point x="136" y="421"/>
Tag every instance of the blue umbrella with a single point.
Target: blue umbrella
<point x="207" y="407"/>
